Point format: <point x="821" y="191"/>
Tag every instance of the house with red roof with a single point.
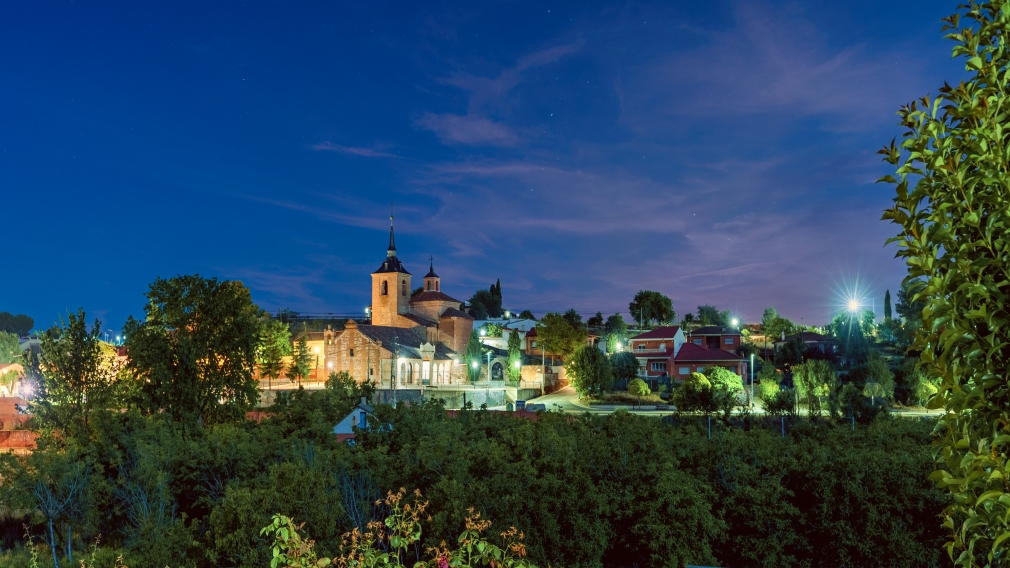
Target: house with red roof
<point x="666" y="351"/>
<point x="655" y="348"/>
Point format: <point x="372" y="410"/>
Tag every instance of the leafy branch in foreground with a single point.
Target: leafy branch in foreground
<point x="388" y="543"/>
<point x="952" y="182"/>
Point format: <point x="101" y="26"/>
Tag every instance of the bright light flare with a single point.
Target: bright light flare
<point x="735" y="322"/>
<point x="853" y="305"/>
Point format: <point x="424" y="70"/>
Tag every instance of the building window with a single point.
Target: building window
<point x="533" y="345"/>
<point x="659" y="365"/>
<point x="640" y="347"/>
<point x="662" y="347"/>
<point x="684" y="370"/>
<point x="403" y="288"/>
<point x="701" y="369"/>
<point x="385" y="288"/>
<point x="729" y="341"/>
<point x="436" y="285"/>
<point x="370" y="372"/>
<point x="352" y="352"/>
<point x="697" y="341"/>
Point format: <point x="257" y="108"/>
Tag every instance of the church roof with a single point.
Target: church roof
<point x="454" y="313"/>
<point x="408" y="340"/>
<point x="431" y="271"/>
<point x="420" y="320"/>
<point x="432" y="296"/>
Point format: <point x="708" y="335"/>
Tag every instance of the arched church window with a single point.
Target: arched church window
<point x="436" y="285"/>
<point x="427" y="285"/>
<point x="403" y="288"/>
<point x="385" y="288"/>
<point x="402" y="367"/>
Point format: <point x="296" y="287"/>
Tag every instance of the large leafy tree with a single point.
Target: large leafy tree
<point x="590" y="372"/>
<point x="75" y="375"/>
<point x="775" y="326"/>
<point x="952" y="192"/>
<point x="649" y="306"/>
<point x="485" y="304"/>
<point x="17" y="324"/>
<point x="10" y="350"/>
<point x="193" y="354"/>
<point x="624" y="365"/>
<point x="710" y="315"/>
<point x="815" y="380"/>
<point x="556" y="335"/>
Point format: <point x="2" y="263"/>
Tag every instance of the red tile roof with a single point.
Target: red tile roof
<point x="664" y="332"/>
<point x="454" y="313"/>
<point x="689" y="352"/>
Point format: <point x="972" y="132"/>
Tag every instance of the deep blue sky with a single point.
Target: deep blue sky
<point x="719" y="152"/>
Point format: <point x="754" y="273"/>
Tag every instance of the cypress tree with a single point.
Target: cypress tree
<point x="887" y="305"/>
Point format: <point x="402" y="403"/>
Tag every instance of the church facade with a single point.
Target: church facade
<point x="412" y="341"/>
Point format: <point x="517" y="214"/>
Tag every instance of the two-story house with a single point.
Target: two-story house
<point x="655" y="348"/>
<point x="716" y="337"/>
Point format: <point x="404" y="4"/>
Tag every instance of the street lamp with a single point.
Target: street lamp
<point x="487" y="397"/>
<point x="752" y="380"/>
<point x="853" y="305"/>
<point x="735" y="322"/>
<point x="483" y="332"/>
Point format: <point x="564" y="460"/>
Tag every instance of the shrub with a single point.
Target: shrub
<point x="637" y="387"/>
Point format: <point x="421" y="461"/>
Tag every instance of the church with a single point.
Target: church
<point x="412" y="340"/>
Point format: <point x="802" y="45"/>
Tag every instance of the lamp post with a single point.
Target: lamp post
<point x="487" y="397"/>
<point x="752" y="380"/>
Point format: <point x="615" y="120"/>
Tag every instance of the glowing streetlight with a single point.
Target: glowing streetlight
<point x="735" y="322"/>
<point x="475" y="364"/>
<point x="483" y="332"/>
<point x="853" y="305"/>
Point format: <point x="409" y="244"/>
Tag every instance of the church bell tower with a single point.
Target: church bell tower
<point x="390" y="286"/>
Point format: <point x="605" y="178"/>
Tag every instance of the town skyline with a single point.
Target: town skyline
<point x="724" y="155"/>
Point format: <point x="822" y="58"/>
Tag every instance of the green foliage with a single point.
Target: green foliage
<point x="485" y="304"/>
<point x="10" y="350"/>
<point x="710" y="315"/>
<point x="769" y="386"/>
<point x="192" y="356"/>
<point x="573" y="318"/>
<point x="624" y="365"/>
<point x="526" y="314"/>
<point x="515" y="349"/>
<point x="723" y="379"/>
<point x="648" y="306"/>
<point x="615" y="326"/>
<point x="274" y="344"/>
<point x="773" y="325"/>
<point x="887" y="305"/>
<point x="790" y="353"/>
<point x="20" y="324"/>
<point x="301" y="359"/>
<point x="783" y="402"/>
<point x="493" y="329"/>
<point x="879" y="373"/>
<point x="75" y="376"/>
<point x="815" y="380"/>
<point x="596" y="321"/>
<point x="590" y="372"/>
<point x="472" y="355"/>
<point x="638" y="387"/>
<point x="555" y="334"/>
<point x="695" y="394"/>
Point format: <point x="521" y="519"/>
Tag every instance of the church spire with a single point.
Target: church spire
<point x="391" y="251"/>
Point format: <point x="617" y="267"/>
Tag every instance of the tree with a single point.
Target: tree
<point x="595" y="321"/>
<point x="790" y="353"/>
<point x="10" y="350"/>
<point x="867" y="323"/>
<point x="274" y="344"/>
<point x="775" y="326"/>
<point x="526" y="314"/>
<point x="879" y="373"/>
<point x="638" y="387"/>
<point x="20" y="325"/>
<point x="615" y="326"/>
<point x="573" y="317"/>
<point x="515" y="345"/>
<point x="75" y="377"/>
<point x="887" y="305"/>
<point x="726" y="387"/>
<point x="649" y="306"/>
<point x="301" y="359"/>
<point x="952" y="217"/>
<point x="590" y="372"/>
<point x="472" y="355"/>
<point x="193" y="354"/>
<point x="710" y="315"/>
<point x="485" y="304"/>
<point x="814" y="380"/>
<point x="694" y="394"/>
<point x="624" y="366"/>
<point x="556" y="335"/>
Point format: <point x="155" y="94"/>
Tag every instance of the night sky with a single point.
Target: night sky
<point x="719" y="152"/>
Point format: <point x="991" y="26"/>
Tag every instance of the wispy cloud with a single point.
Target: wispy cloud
<point x="352" y="150"/>
<point x="472" y="130"/>
<point x="772" y="61"/>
